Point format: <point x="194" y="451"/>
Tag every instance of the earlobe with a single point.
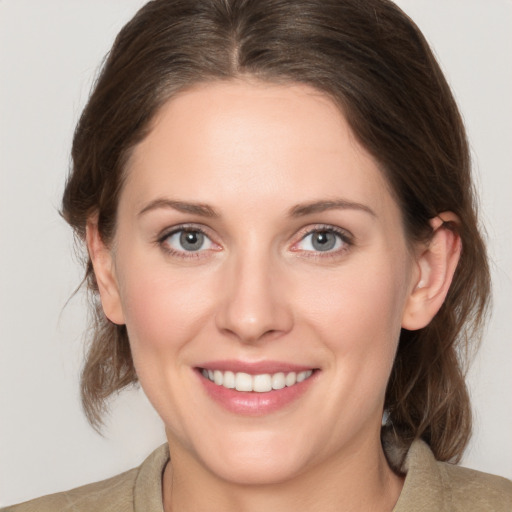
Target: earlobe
<point x="436" y="265"/>
<point x="103" y="264"/>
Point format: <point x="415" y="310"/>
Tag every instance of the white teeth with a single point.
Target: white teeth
<point x="302" y="376"/>
<point x="290" y="379"/>
<point x="243" y="382"/>
<point x="278" y="381"/>
<point x="229" y="380"/>
<point x="218" y="377"/>
<point x="260" y="383"/>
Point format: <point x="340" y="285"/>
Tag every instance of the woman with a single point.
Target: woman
<point x="277" y="205"/>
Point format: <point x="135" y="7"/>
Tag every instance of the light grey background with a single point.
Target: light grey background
<point x="49" y="53"/>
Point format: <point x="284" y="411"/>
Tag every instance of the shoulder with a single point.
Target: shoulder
<point x="112" y="494"/>
<point x="431" y="485"/>
<point x="120" y="493"/>
<point x="474" y="490"/>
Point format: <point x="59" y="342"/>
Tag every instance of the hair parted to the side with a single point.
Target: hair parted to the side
<point x="373" y="61"/>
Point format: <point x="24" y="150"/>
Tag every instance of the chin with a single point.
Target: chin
<point x="254" y="459"/>
<point x="258" y="471"/>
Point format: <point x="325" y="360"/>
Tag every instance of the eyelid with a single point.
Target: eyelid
<point x="346" y="237"/>
<point x="170" y="231"/>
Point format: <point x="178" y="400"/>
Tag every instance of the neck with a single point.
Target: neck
<point x="356" y="480"/>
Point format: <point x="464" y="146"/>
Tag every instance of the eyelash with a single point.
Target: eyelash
<point x="191" y="228"/>
<point x="346" y="238"/>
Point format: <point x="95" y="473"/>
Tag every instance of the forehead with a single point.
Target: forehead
<point x="256" y="141"/>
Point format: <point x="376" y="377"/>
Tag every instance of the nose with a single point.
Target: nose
<point x="253" y="305"/>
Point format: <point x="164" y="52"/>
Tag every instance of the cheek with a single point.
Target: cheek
<point x="358" y="314"/>
<point x="163" y="307"/>
<point x="359" y="322"/>
<point x="356" y="302"/>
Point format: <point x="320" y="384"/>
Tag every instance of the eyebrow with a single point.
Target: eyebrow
<point x="200" y="209"/>
<point x="299" y="210"/>
<point x="321" y="206"/>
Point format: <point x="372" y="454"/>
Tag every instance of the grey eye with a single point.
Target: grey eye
<point x="191" y="240"/>
<point x="188" y="240"/>
<point x="321" y="241"/>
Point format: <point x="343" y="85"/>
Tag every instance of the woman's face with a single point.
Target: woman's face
<point x="258" y="245"/>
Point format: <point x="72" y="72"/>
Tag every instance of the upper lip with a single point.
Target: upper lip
<point x="254" y="367"/>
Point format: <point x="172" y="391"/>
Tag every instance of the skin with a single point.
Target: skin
<point x="258" y="290"/>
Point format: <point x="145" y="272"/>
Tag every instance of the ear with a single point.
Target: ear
<point x="104" y="271"/>
<point x="436" y="264"/>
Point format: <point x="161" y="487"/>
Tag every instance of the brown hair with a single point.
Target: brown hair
<point x="373" y="61"/>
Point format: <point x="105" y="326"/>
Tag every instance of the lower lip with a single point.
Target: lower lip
<point x="253" y="403"/>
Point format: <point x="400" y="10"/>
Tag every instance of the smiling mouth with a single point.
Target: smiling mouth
<point x="260" y="383"/>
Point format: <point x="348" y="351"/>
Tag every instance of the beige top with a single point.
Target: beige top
<point x="430" y="486"/>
